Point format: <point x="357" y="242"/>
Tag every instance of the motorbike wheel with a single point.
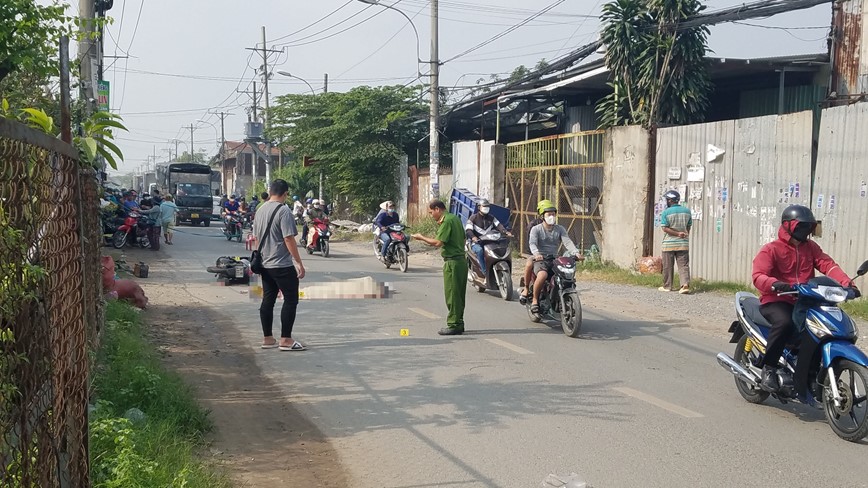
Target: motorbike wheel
<point x="571" y="315"/>
<point x="325" y="248"/>
<point x="377" y="247"/>
<point x="505" y="285"/>
<point x="750" y="393"/>
<point x="228" y="236"/>
<point x="309" y="250"/>
<point x="238" y="236"/>
<point x="850" y="420"/>
<point x="402" y="258"/>
<point x="119" y="239"/>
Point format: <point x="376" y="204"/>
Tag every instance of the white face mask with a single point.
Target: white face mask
<point x="484" y="210"/>
<point x="550" y="219"/>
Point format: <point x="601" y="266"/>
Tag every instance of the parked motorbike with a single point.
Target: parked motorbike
<point x="398" y="250"/>
<point x="133" y="231"/>
<point x="320" y="240"/>
<point x="559" y="297"/>
<point x="498" y="265"/>
<point x="823" y="364"/>
<point x="232" y="270"/>
<point x="233" y="225"/>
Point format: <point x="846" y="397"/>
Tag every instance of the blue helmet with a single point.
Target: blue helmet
<point x="309" y="200"/>
<point x="295" y="197"/>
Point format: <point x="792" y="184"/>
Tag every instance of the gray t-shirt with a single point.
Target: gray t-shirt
<point x="274" y="251"/>
<point x="547" y="242"/>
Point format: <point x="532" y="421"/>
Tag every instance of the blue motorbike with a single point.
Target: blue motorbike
<point x="821" y="362"/>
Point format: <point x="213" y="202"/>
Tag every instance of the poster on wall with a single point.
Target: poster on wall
<point x="696" y="173"/>
<point x="675" y="173"/>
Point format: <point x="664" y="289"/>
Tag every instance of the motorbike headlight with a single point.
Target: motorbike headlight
<point x="833" y="294"/>
<point x="567" y="270"/>
<point x="818" y="329"/>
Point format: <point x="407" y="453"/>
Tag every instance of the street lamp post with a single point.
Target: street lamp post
<point x="434" y="129"/>
<point x="312" y="92"/>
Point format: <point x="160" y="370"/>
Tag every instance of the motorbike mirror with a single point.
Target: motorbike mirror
<point x="862" y="269"/>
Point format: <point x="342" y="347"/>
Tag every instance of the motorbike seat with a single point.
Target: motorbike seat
<point x="751" y="307"/>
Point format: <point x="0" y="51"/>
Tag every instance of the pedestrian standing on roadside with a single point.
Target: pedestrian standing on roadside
<point x="275" y="230"/>
<point x="168" y="210"/>
<point x="450" y="240"/>
<point x="676" y="222"/>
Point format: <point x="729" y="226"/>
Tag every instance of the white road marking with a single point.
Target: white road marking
<point x="511" y="347"/>
<point x="424" y="313"/>
<point x="658" y="402"/>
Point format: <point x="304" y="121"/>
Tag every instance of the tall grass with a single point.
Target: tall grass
<point x="157" y="449"/>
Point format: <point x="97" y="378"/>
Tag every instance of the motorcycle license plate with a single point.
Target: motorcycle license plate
<point x="239" y="271"/>
<point x="194" y="216"/>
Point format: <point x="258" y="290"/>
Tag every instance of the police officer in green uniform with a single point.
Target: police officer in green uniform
<point x="450" y="240"/>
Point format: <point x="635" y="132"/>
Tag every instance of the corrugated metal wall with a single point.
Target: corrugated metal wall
<point x="581" y="118"/>
<point x="736" y="197"/>
<point x="471" y="166"/>
<point x="840" y="197"/>
<point x="755" y="103"/>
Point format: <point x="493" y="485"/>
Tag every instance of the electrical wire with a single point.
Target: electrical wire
<point x="369" y="56"/>
<point x="291" y="42"/>
<point x="297" y="44"/>
<point x="505" y="32"/>
<point x="312" y="24"/>
<point x="126" y="61"/>
<point x="582" y="23"/>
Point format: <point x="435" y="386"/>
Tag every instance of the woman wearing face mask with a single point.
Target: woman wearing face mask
<point x="384" y="220"/>
<point x="780" y="264"/>
<point x="545" y="239"/>
<point x="478" y="226"/>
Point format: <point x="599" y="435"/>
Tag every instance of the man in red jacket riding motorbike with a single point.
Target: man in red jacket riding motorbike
<point x="781" y="264"/>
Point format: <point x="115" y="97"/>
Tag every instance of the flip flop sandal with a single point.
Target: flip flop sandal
<point x="296" y="346"/>
<point x="269" y="346"/>
<point x="534" y="308"/>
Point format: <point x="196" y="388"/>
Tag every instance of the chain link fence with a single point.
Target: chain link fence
<point x="50" y="306"/>
<point x="566" y="169"/>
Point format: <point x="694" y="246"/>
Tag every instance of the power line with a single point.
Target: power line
<point x="296" y="44"/>
<point x="507" y="31"/>
<point x="126" y="62"/>
<point x="312" y="24"/>
<point x="597" y="4"/>
<point x="327" y="28"/>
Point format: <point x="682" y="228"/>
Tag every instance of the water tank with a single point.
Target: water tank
<point x="253" y="130"/>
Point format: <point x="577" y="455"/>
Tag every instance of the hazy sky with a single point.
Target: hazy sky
<point x="188" y="57"/>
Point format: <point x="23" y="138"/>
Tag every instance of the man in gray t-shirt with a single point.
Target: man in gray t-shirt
<point x="279" y="249"/>
<point x="545" y="240"/>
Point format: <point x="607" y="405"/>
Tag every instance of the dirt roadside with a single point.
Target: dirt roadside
<point x="259" y="437"/>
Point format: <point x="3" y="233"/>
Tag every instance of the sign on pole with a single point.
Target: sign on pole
<point x="102" y="96"/>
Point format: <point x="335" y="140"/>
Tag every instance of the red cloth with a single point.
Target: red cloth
<point x="781" y="261"/>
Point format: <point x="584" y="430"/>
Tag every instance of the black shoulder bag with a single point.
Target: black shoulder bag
<point x="256" y="257"/>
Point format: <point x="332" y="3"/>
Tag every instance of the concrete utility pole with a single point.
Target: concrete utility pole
<point x="325" y="83"/>
<point x="264" y="51"/>
<point x="192" y="147"/>
<point x="434" y="138"/>
<point x="86" y="54"/>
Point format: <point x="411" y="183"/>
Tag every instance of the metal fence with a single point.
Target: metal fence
<point x="736" y="176"/>
<point x="49" y="308"/>
<point x="840" y="197"/>
<point x="566" y="169"/>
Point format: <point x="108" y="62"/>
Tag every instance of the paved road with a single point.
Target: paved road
<point x="631" y="403"/>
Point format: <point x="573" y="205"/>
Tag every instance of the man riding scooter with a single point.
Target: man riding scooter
<point x="545" y="239"/>
<point x="528" y="267"/>
<point x="480" y="225"/>
<point x="383" y="221"/>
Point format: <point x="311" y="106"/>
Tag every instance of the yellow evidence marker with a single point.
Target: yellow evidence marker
<point x="405" y="332"/>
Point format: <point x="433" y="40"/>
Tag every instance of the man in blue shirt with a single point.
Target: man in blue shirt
<point x="383" y="221"/>
<point x="232" y="204"/>
<point x="130" y="202"/>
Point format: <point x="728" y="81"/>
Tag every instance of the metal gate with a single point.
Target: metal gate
<point x="566" y="169"/>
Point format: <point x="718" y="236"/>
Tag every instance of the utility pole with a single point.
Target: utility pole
<point x="264" y="51"/>
<point x="192" y="147"/>
<point x="325" y="83"/>
<point x="434" y="136"/>
<point x="176" y="149"/>
<point x="86" y="53"/>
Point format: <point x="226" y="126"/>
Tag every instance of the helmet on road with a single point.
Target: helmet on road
<point x="545" y="206"/>
<point x="799" y="213"/>
<point x="672" y="196"/>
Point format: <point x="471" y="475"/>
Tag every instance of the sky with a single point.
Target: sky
<point x="189" y="59"/>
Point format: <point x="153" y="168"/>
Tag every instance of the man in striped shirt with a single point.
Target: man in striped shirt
<point x="676" y="222"/>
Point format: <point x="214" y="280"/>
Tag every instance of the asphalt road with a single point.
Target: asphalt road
<point x="630" y="403"/>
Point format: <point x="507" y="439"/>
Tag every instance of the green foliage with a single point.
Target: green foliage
<point x="159" y="450"/>
<point x="659" y="74"/>
<point x="198" y="157"/>
<point x="29" y="37"/>
<point x="301" y="180"/>
<point x="857" y="308"/>
<point x="357" y="137"/>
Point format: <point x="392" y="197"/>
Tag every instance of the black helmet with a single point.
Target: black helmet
<point x="672" y="195"/>
<point x="799" y="213"/>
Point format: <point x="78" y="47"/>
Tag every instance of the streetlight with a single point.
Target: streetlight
<point x="434" y="129"/>
<point x="290" y="75"/>
<point x="216" y="134"/>
<point x="415" y="31"/>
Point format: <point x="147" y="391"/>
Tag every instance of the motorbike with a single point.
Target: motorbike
<point x="232" y="270"/>
<point x="133" y="231"/>
<point x="559" y="297"/>
<point x="233" y="226"/>
<point x="820" y="362"/>
<point x="398" y="250"/>
<point x="320" y="240"/>
<point x="498" y="265"/>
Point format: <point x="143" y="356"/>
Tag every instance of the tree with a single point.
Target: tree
<point x="200" y="157"/>
<point x="659" y="73"/>
<point x="358" y="138"/>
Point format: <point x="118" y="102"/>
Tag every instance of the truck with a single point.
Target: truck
<point x="190" y="185"/>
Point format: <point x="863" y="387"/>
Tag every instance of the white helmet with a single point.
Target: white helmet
<point x="315" y="202"/>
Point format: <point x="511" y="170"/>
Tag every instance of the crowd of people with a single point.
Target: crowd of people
<point x="161" y="210"/>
